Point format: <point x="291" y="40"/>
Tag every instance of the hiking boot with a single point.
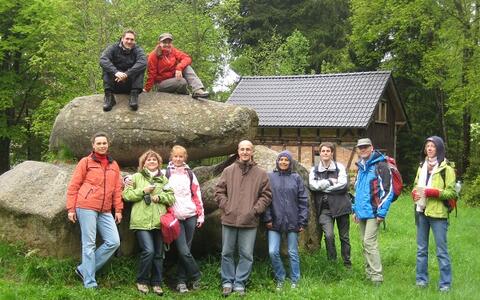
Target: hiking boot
<point x="133" y="101"/>
<point x="79" y="274"/>
<point x="157" y="290"/>
<point x="142" y="288"/>
<point x="200" y="93"/>
<point x="182" y="288"/>
<point x="108" y="101"/>
<point x="227" y="290"/>
<point x="196" y="285"/>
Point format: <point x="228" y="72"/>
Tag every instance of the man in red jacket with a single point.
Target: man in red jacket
<point x="169" y="70"/>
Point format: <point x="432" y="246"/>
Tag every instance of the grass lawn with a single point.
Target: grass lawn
<point x="23" y="275"/>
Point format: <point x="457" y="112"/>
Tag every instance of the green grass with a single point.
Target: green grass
<point x="24" y="275"/>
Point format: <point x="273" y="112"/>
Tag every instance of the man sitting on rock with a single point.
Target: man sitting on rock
<point x="169" y="70"/>
<point x="123" y="66"/>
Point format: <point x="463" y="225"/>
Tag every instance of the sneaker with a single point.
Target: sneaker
<point x="158" y="290"/>
<point x="279" y="286"/>
<point x="227" y="290"/>
<point x="142" y="288"/>
<point x="240" y="292"/>
<point x="200" y="93"/>
<point x="294" y="285"/>
<point x="444" y="289"/>
<point x="79" y="274"/>
<point x="182" y="288"/>
<point x="196" y="285"/>
<point x="421" y="284"/>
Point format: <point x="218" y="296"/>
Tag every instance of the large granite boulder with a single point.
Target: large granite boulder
<point x="208" y="238"/>
<point x="32" y="210"/>
<point x="205" y="128"/>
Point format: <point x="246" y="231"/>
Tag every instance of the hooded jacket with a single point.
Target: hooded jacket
<point x="289" y="208"/>
<point x="336" y="195"/>
<point x="373" y="188"/>
<point x="94" y="187"/>
<point x="435" y="207"/>
<point x="163" y="67"/>
<point x="147" y="216"/>
<point x="117" y="58"/>
<point x="242" y="194"/>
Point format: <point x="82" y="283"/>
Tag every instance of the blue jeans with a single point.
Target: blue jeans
<point x="187" y="266"/>
<point x="150" y="263"/>
<point x="244" y="239"/>
<point x="274" y="239"/>
<point x="94" y="258"/>
<point x="439" y="228"/>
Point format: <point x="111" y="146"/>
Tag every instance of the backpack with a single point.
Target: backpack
<point x="397" y="181"/>
<point x="170" y="227"/>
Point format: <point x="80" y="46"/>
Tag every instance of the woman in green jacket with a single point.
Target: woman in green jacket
<point x="434" y="184"/>
<point x="151" y="196"/>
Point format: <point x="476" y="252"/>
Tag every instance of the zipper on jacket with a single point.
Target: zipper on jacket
<point x="104" y="186"/>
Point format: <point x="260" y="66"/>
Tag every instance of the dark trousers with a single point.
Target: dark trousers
<point x="326" y="222"/>
<point x="150" y="263"/>
<point x="134" y="82"/>
<point x="187" y="266"/>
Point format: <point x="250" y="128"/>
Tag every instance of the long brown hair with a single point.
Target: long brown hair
<point x="145" y="156"/>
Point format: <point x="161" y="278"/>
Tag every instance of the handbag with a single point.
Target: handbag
<point x="170" y="227"/>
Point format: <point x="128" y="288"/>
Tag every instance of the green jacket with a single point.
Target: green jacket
<point x="143" y="216"/>
<point x="435" y="207"/>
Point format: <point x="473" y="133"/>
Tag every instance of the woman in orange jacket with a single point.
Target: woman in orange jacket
<point x="94" y="191"/>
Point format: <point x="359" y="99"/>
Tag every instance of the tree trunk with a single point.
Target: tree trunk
<point x="4" y="154"/>
<point x="467" y="120"/>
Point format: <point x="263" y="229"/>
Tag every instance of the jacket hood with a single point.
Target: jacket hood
<point x="439" y="145"/>
<point x="288" y="155"/>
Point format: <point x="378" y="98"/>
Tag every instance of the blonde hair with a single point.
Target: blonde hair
<point x="178" y="148"/>
<point x="145" y="156"/>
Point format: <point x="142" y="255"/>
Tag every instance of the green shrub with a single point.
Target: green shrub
<point x="471" y="192"/>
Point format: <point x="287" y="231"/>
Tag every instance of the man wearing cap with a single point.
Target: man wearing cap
<point x="169" y="70"/>
<point x="123" y="65"/>
<point x="373" y="196"/>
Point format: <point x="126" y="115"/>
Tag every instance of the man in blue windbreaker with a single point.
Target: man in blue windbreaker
<point x="373" y="196"/>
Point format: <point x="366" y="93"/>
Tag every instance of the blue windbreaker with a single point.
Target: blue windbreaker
<point x="373" y="189"/>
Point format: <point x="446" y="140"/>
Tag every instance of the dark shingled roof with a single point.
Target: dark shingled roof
<point x="329" y="100"/>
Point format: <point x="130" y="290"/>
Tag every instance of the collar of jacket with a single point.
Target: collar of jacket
<point x="322" y="169"/>
<point x="126" y="50"/>
<point x="245" y="166"/>
<point x="145" y="174"/>
<point x="374" y="158"/>
<point x="281" y="172"/>
<point x="172" y="166"/>
<point x="95" y="158"/>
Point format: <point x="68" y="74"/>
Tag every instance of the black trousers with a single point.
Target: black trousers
<point x="326" y="222"/>
<point x="134" y="82"/>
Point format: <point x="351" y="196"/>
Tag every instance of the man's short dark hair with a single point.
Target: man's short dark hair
<point x="129" y="31"/>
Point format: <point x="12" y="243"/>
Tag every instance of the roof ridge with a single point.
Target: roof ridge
<point x="318" y="75"/>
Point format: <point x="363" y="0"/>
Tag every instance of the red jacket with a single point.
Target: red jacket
<point x="164" y="67"/>
<point x="93" y="187"/>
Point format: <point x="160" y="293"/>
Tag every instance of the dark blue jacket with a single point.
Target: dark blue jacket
<point x="289" y="208"/>
<point x="373" y="189"/>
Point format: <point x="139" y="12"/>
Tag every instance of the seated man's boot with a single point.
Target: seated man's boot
<point x="200" y="93"/>
<point x="108" y="101"/>
<point x="133" y="102"/>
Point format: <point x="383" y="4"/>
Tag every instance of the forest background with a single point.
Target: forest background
<point x="49" y="52"/>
